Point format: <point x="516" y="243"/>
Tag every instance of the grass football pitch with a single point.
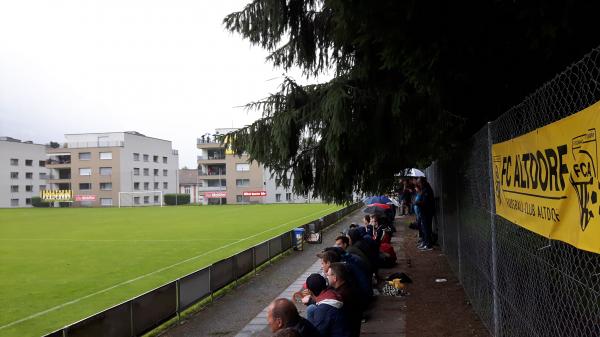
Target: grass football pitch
<point x="58" y="266"/>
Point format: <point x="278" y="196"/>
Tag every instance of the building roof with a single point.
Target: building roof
<point x="188" y="176"/>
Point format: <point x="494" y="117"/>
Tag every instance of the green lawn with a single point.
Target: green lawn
<point x="60" y="265"/>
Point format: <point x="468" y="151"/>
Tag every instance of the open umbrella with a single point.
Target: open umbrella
<point x="378" y="199"/>
<point x="374" y="210"/>
<point x="411" y="172"/>
<point x="382" y="206"/>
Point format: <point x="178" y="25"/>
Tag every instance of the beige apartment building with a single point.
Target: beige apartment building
<point x="105" y="169"/>
<point x="225" y="178"/>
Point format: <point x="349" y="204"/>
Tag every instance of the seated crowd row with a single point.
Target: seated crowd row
<point x="337" y="298"/>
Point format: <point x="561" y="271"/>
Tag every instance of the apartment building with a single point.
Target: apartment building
<point x="98" y="166"/>
<point x="279" y="194"/>
<point x="225" y="178"/>
<point x="23" y="171"/>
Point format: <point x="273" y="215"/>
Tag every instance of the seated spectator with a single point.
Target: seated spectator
<point x="363" y="248"/>
<point x="387" y="255"/>
<point x="357" y="267"/>
<point x="287" y="332"/>
<point x="354" y="305"/>
<point x="282" y="313"/>
<point x="324" y="308"/>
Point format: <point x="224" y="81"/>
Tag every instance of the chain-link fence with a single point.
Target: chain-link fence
<point x="519" y="283"/>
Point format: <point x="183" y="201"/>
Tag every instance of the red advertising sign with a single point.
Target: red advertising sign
<point x="255" y="194"/>
<point x="85" y="197"/>
<point x="215" y="194"/>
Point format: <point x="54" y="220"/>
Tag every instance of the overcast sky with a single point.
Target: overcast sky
<point x="167" y="69"/>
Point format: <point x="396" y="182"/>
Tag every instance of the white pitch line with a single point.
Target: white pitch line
<point x="41" y="313"/>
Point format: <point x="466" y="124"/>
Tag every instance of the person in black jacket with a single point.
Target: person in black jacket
<point x="282" y="313"/>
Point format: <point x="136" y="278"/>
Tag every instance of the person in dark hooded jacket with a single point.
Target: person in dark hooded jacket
<point x="324" y="310"/>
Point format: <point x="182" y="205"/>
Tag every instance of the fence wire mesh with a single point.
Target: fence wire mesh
<point x="520" y="283"/>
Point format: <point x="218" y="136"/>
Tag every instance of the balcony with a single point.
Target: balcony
<point x="211" y="188"/>
<point x="114" y="143"/>
<point x="58" y="179"/>
<point x="215" y="157"/>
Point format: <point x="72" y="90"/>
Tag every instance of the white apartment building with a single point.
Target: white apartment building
<point x="23" y="172"/>
<point x="97" y="166"/>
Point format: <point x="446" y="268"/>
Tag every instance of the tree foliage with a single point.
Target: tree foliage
<point x="411" y="79"/>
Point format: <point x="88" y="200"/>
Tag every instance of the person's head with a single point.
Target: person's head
<point x="316" y="284"/>
<point x="354" y="236"/>
<point x="367" y="219"/>
<point x="280" y="312"/>
<point x="287" y="332"/>
<point x="327" y="258"/>
<point x="342" y="242"/>
<point x="422" y="182"/>
<point x="337" y="274"/>
<point x="375" y="219"/>
<point x="352" y="225"/>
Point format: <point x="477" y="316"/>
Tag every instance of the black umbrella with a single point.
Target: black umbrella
<point x="374" y="210"/>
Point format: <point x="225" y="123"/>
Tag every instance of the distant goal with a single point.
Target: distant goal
<point x="141" y="199"/>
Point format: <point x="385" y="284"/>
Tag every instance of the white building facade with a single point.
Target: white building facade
<point x="23" y="172"/>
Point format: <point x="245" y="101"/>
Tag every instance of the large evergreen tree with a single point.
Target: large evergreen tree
<point x="411" y="79"/>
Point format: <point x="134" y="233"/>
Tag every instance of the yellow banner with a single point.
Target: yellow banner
<point x="547" y="180"/>
<point x="57" y="195"/>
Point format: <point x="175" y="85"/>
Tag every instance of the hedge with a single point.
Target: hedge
<point x="177" y="199"/>
<point x="37" y="202"/>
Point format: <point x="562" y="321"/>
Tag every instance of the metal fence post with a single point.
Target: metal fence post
<point x="492" y="201"/>
<point x="458" y="243"/>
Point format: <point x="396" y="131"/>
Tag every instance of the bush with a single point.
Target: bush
<point x="177" y="199"/>
<point x="37" y="202"/>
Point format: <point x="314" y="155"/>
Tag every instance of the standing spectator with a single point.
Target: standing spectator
<point x="287" y="332"/>
<point x="282" y="313"/>
<point x="427" y="206"/>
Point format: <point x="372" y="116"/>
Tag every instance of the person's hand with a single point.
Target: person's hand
<point x="306" y="299"/>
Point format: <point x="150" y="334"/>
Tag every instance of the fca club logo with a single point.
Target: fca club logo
<point x="497" y="180"/>
<point x="584" y="175"/>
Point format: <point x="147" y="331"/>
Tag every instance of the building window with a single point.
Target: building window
<point x="187" y="190"/>
<point x="14" y="175"/>
<point x="42" y="187"/>
<point x="105" y="171"/>
<point x="155" y="159"/>
<point x="146" y="199"/>
<point x="156" y="201"/>
<point x="164" y="160"/>
<point x="136" y="157"/>
<point x="43" y="175"/>
<point x="106" y="201"/>
<point x="85" y="155"/>
<point x="156" y="172"/>
<point x="14" y="161"/>
<point x="155" y="185"/>
<point x="106" y="186"/>
<point x="288" y="197"/>
<point x="165" y="173"/>
<point x="136" y="186"/>
<point x="242" y="199"/>
<point x="278" y="197"/>
<point x="146" y="157"/>
<point x="242" y="182"/>
<point x="14" y="188"/>
<point x="242" y="167"/>
<point x="146" y="186"/>
<point x="136" y="200"/>
<point x="28" y="175"/>
<point x="105" y="155"/>
<point x="27" y="201"/>
<point x="14" y="202"/>
<point x="28" y="188"/>
<point x="28" y="162"/>
<point x="85" y="171"/>
<point x="42" y="163"/>
<point x="136" y="171"/>
<point x="165" y="185"/>
<point x="146" y="172"/>
<point x="85" y="186"/>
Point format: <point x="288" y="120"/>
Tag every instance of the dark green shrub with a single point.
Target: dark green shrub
<point x="177" y="199"/>
<point x="37" y="202"/>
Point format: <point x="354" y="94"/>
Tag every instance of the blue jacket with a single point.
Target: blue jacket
<point x="328" y="317"/>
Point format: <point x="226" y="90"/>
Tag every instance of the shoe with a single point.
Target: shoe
<point x="420" y="245"/>
<point x="425" y="248"/>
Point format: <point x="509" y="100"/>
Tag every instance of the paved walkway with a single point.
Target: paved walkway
<point x="245" y="307"/>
